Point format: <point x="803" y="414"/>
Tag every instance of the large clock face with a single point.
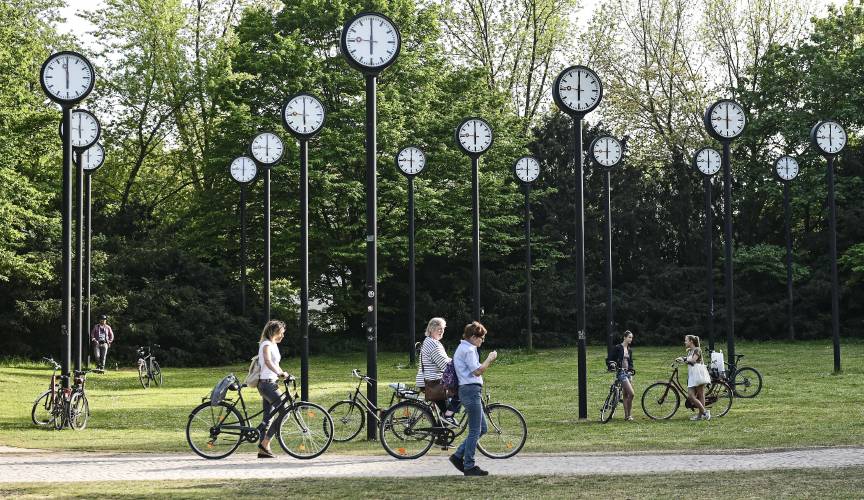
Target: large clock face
<point x="303" y="115"/>
<point x="267" y="148"/>
<point x="371" y="41"/>
<point x="67" y="77"/>
<point x="85" y="129"/>
<point x="577" y="90"/>
<point x="725" y="120"/>
<point x="527" y="169"/>
<point x="474" y="136"/>
<point x="829" y="137"/>
<point x="786" y="168"/>
<point x="606" y="151"/>
<point x="707" y="161"/>
<point x="411" y="160"/>
<point x="243" y="169"/>
<point x="92" y="158"/>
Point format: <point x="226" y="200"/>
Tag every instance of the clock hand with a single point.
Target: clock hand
<point x="304" y="111"/>
<point x="578" y="86"/>
<point x="475" y="134"/>
<point x="371" y="36"/>
<point x="267" y="146"/>
<point x="66" y="67"/>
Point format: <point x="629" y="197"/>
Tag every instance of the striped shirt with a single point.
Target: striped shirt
<point x="433" y="360"/>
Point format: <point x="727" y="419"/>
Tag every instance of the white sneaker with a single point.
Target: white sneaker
<point x="707" y="414"/>
<point x="696" y="417"/>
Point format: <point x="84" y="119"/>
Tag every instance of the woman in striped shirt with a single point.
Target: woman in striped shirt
<point x="433" y="360"/>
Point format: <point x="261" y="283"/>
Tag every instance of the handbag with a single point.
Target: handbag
<point x="433" y="389"/>
<point x="700" y="374"/>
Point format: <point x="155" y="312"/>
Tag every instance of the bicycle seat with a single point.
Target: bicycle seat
<point x="738" y="356"/>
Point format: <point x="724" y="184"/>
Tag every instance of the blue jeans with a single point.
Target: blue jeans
<point x="270" y="396"/>
<point x="470" y="396"/>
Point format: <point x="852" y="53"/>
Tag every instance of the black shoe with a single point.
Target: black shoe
<point x="476" y="471"/>
<point x="264" y="452"/>
<point x="457" y="462"/>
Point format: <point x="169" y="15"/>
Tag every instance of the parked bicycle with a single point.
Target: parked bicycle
<point x="614" y="397"/>
<point x="217" y="427"/>
<point x="661" y="400"/>
<point x="78" y="413"/>
<point x="349" y="415"/>
<point x="58" y="407"/>
<point x="410" y="428"/>
<point x="148" y="367"/>
<point x="746" y="382"/>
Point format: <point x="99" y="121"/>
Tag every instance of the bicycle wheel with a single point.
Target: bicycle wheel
<point x="79" y="411"/>
<point x="506" y="434"/>
<point x="660" y="401"/>
<point x="206" y="432"/>
<point x="747" y="382"/>
<point x="157" y="373"/>
<point x="305" y="430"/>
<point x="608" y="408"/>
<point x="42" y="409"/>
<point x="718" y="398"/>
<point x="59" y="413"/>
<point x="348" y="419"/>
<point x="143" y="377"/>
<point x="406" y="430"/>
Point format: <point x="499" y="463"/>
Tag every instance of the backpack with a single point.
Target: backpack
<point x="449" y="378"/>
<point x="254" y="373"/>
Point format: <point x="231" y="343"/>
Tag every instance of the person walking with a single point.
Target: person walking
<point x="697" y="376"/>
<point x="469" y="370"/>
<point x="622" y="356"/>
<point x="268" y="361"/>
<point x="433" y="361"/>
<point x="101" y="338"/>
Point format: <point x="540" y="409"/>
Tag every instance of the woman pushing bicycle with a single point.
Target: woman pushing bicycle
<point x="622" y="356"/>
<point x="268" y="360"/>
<point x="697" y="376"/>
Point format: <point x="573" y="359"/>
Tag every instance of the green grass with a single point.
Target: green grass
<point x="813" y="483"/>
<point x="802" y="403"/>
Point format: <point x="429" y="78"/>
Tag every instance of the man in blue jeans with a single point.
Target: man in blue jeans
<point x="469" y="369"/>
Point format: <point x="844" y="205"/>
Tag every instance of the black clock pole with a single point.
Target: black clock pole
<point x="88" y="230"/>
<point x="610" y="312"/>
<point x="835" y="286"/>
<point x="371" y="253"/>
<point x="243" y="249"/>
<point x="790" y="310"/>
<point x="475" y="235"/>
<point x="709" y="259"/>
<point x="66" y="281"/>
<point x="79" y="261"/>
<point x="580" y="267"/>
<point x="304" y="269"/>
<point x="730" y="292"/>
<point x="266" y="244"/>
<point x="412" y="278"/>
<point x="529" y="337"/>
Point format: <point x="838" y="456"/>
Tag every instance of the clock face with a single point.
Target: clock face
<point x="85" y="129"/>
<point x="303" y="115"/>
<point x="786" y="168"/>
<point x="707" y="161"/>
<point x="606" y="151"/>
<point x="67" y="77"/>
<point x="725" y="120"/>
<point x="243" y="169"/>
<point x="370" y="41"/>
<point x="527" y="169"/>
<point x="411" y="160"/>
<point x="577" y="90"/>
<point x="829" y="137"/>
<point x="267" y="148"/>
<point x="92" y="158"/>
<point x="474" y="136"/>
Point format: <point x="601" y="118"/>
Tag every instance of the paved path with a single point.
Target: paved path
<point x="29" y="466"/>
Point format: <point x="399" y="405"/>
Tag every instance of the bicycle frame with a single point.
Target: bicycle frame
<point x="286" y="401"/>
<point x="368" y="405"/>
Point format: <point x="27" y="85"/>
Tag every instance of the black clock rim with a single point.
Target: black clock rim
<point x="594" y="160"/>
<point x="232" y="175"/>
<point x="252" y="155"/>
<point x="97" y="167"/>
<point x="777" y="173"/>
<point x="816" y="143"/>
<point x="706" y="121"/>
<point x="516" y="163"/>
<point x="396" y="160"/>
<point x="472" y="154"/>
<point x="560" y="103"/>
<point x="98" y="130"/>
<point x="696" y="155"/>
<point x="67" y="102"/>
<point x="369" y="70"/>
<point x="298" y="135"/>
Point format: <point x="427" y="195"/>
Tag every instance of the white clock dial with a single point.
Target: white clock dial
<point x="578" y="89"/>
<point x="829" y="137"/>
<point x="708" y="161"/>
<point x="726" y="119"/>
<point x="607" y="151"/>
<point x="85" y="129"/>
<point x="303" y="115"/>
<point x="527" y="169"/>
<point x="267" y="148"/>
<point x="243" y="169"/>
<point x="411" y="160"/>
<point x="93" y="157"/>
<point x="371" y="41"/>
<point x="786" y="168"/>
<point x="67" y="77"/>
<point x="474" y="136"/>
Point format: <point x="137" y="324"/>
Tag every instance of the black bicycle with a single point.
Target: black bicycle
<point x="614" y="397"/>
<point x="349" y="415"/>
<point x="217" y="427"/>
<point x="48" y="408"/>
<point x="148" y="367"/>
<point x="745" y="381"/>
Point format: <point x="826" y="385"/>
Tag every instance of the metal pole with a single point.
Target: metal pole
<point x="475" y="233"/>
<point x="529" y="310"/>
<point x="304" y="269"/>
<point x="730" y="292"/>
<point x="412" y="278"/>
<point x="66" y="280"/>
<point x="709" y="260"/>
<point x="243" y="249"/>
<point x="267" y="244"/>
<point x="79" y="262"/>
<point x="835" y="286"/>
<point x="790" y="309"/>
<point x="580" y="268"/>
<point x="88" y="241"/>
<point x="610" y="317"/>
<point x="371" y="254"/>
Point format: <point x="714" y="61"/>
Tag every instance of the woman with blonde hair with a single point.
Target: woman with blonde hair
<point x="697" y="376"/>
<point x="268" y="360"/>
<point x="432" y="360"/>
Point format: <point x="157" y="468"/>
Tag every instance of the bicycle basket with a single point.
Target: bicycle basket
<point x="221" y="389"/>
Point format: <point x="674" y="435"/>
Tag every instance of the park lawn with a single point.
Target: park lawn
<point x="806" y="483"/>
<point x="802" y="402"/>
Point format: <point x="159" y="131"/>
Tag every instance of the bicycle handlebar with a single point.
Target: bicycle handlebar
<point x="51" y="360"/>
<point x="356" y="373"/>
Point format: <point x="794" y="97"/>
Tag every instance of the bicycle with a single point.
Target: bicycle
<point x="78" y="412"/>
<point x="664" y="398"/>
<point x="614" y="397"/>
<point x="216" y="428"/>
<point x="410" y="428"/>
<point x="746" y="381"/>
<point x="48" y="407"/>
<point x="148" y="367"/>
<point x="349" y="416"/>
